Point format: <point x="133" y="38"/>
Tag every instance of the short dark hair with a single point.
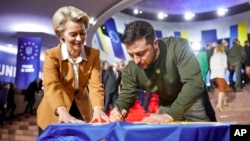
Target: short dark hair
<point x="138" y="29"/>
<point x="235" y="40"/>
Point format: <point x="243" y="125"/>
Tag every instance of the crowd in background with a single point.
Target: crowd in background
<point x="227" y="67"/>
<point x="7" y="99"/>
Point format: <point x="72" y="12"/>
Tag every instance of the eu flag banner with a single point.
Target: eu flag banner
<point x="115" y="39"/>
<point x="28" y="61"/>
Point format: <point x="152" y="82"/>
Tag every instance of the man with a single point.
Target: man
<point x="168" y="67"/>
<point x="236" y="56"/>
<point x="247" y="63"/>
<point x="112" y="80"/>
<point x="3" y="102"/>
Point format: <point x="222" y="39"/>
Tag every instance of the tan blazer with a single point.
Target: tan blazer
<point x="58" y="81"/>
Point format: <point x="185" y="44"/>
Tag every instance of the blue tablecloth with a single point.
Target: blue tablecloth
<point x="124" y="131"/>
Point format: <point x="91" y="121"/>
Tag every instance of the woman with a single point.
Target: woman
<point x="218" y="67"/>
<point x="73" y="92"/>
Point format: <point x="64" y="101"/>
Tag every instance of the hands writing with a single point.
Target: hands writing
<point x="117" y="115"/>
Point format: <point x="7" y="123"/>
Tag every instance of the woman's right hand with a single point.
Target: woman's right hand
<point x="65" y="117"/>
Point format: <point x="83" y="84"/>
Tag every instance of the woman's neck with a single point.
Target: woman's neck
<point x="73" y="53"/>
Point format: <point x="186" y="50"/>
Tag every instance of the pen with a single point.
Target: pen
<point x="119" y="110"/>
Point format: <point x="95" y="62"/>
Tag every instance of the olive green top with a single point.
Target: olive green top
<point x="175" y="76"/>
<point x="236" y="55"/>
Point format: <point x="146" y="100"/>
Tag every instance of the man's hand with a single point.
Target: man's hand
<point x="115" y="115"/>
<point x="158" y="119"/>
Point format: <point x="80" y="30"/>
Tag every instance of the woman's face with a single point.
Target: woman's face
<point x="74" y="35"/>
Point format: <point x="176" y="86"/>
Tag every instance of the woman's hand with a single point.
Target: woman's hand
<point x="158" y="119"/>
<point x="99" y="115"/>
<point x="65" y="117"/>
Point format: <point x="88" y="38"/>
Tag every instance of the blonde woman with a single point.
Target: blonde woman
<point x="218" y="67"/>
<point x="73" y="91"/>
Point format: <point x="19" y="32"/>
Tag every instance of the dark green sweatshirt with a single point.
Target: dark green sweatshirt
<point x="175" y="76"/>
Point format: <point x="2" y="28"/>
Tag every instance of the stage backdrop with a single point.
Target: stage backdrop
<point x="28" y="61"/>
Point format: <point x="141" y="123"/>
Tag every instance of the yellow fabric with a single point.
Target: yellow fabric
<point x="242" y="32"/>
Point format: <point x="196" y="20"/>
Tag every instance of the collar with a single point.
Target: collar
<point x="65" y="53"/>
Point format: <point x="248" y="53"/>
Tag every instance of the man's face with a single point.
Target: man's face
<point x="141" y="53"/>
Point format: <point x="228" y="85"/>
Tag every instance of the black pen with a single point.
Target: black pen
<point x="119" y="110"/>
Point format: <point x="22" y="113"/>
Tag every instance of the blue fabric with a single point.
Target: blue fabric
<point x="124" y="131"/>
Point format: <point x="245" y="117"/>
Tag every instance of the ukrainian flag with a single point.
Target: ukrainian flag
<point x="238" y="31"/>
<point x="101" y="40"/>
<point x="182" y="34"/>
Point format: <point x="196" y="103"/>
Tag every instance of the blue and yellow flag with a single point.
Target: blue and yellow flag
<point x="182" y="34"/>
<point x="115" y="39"/>
<point x="238" y="31"/>
<point x="101" y="40"/>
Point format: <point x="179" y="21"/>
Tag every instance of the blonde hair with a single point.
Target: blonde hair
<point x="63" y="14"/>
<point x="219" y="48"/>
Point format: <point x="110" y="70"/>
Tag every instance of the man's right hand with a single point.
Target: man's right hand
<point x="115" y="115"/>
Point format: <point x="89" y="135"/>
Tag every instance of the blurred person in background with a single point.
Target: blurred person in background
<point x="236" y="56"/>
<point x="218" y="67"/>
<point x="3" y="101"/>
<point x="11" y="106"/>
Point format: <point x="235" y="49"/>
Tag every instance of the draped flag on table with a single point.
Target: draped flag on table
<point x="158" y="34"/>
<point x="101" y="40"/>
<point x="208" y="36"/>
<point x="115" y="38"/>
<point x="238" y="31"/>
<point x="28" y="61"/>
<point x="182" y="34"/>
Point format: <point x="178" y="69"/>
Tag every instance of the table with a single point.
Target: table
<point x="125" y="131"/>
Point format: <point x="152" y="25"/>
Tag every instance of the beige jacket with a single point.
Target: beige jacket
<point x="58" y="81"/>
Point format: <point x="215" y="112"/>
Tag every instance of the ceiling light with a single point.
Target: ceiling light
<point x="136" y="11"/>
<point x="92" y="21"/>
<point x="161" y="15"/>
<point x="222" y="11"/>
<point x="188" y="15"/>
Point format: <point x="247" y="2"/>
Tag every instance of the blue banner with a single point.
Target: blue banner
<point x="115" y="39"/>
<point x="7" y="67"/>
<point x="177" y="34"/>
<point x="28" y="61"/>
<point x="158" y="34"/>
<point x="208" y="36"/>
